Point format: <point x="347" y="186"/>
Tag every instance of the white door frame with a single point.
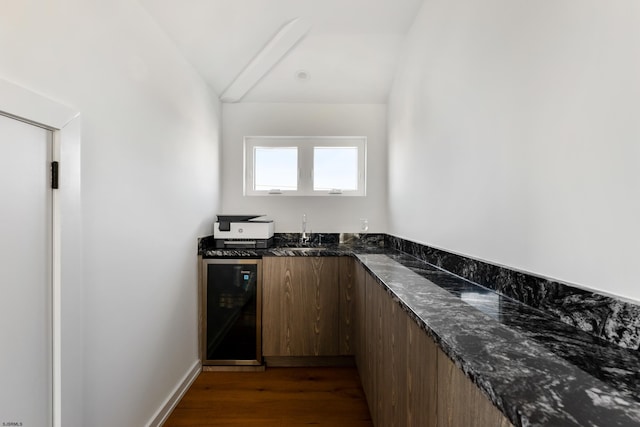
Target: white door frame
<point x="26" y="105"/>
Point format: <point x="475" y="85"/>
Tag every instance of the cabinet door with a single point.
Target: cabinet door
<point x="348" y="307"/>
<point x="384" y="358"/>
<point x="397" y="363"/>
<point x="301" y="313"/>
<point x="392" y="367"/>
<point x="422" y="377"/>
<point x="407" y="380"/>
<point x="372" y="343"/>
<point x="359" y="320"/>
<point x="398" y="342"/>
<point x="460" y="402"/>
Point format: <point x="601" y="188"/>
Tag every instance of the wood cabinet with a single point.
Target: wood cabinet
<point x="397" y="366"/>
<point x="301" y="310"/>
<point x="407" y="380"/>
<point x="392" y="366"/>
<point x="348" y="306"/>
<point x="372" y="346"/>
<point x="460" y="402"/>
<point x="359" y="329"/>
<point x="422" y="377"/>
<point x="331" y="306"/>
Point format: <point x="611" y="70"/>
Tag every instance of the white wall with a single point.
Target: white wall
<point x="334" y="214"/>
<point x="514" y="137"/>
<point x="150" y="187"/>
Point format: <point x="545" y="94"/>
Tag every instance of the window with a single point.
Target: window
<point x="335" y="168"/>
<point x="304" y="166"/>
<point x="276" y="167"/>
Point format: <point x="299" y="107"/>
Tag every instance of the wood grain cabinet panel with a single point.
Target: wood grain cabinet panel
<point x="382" y="391"/>
<point x="348" y="306"/>
<point x="331" y="306"/>
<point x="375" y="361"/>
<point x="394" y="372"/>
<point x="371" y="346"/>
<point x="460" y="402"/>
<point x="407" y="379"/>
<point x="422" y="377"/>
<point x="301" y="310"/>
<point x="359" y="319"/>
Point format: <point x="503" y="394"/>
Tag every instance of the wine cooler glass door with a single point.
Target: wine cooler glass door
<point x="233" y="312"/>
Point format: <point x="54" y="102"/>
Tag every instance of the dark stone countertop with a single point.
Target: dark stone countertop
<point x="288" y="245"/>
<point x="537" y="370"/>
<point x="305" y="251"/>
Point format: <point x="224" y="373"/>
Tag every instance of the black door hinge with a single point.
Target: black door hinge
<point x="54" y="175"/>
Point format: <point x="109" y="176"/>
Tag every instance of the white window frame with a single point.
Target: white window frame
<point x="305" y="146"/>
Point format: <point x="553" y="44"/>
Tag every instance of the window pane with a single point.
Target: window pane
<point x="276" y="168"/>
<point x="335" y="168"/>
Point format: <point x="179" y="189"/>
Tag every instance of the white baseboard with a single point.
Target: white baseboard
<point x="173" y="399"/>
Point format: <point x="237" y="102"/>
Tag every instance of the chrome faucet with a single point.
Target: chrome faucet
<point x="304" y="237"/>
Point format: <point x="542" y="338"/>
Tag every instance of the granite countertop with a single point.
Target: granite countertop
<point x="283" y="251"/>
<point x="288" y="245"/>
<point x="536" y="369"/>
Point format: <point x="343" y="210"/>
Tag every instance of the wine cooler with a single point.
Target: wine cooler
<point x="232" y="312"/>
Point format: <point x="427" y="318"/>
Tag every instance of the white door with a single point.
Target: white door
<point x="25" y="275"/>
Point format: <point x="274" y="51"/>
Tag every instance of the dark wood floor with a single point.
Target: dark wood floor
<point x="278" y="397"/>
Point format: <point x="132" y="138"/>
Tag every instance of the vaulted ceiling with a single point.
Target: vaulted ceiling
<point x="348" y="53"/>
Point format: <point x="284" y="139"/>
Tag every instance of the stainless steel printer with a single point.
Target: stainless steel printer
<point x="243" y="231"/>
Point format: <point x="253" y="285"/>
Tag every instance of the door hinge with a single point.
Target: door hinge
<point x="54" y="175"/>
